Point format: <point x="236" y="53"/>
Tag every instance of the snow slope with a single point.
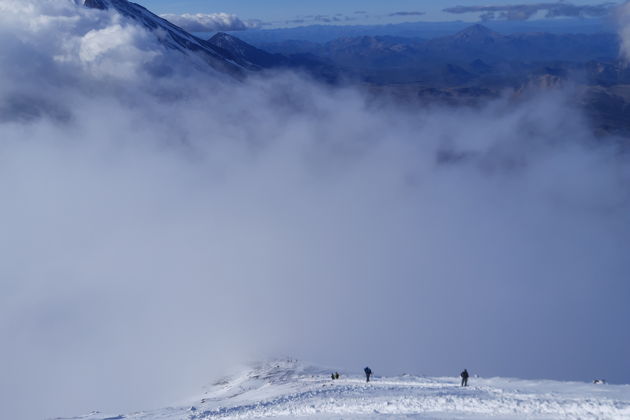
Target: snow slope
<point x="288" y="389"/>
<point x="172" y="36"/>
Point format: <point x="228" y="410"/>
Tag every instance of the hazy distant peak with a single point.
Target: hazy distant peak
<point x="477" y="32"/>
<point x="245" y="54"/>
<point x="365" y="41"/>
<point x="226" y="40"/>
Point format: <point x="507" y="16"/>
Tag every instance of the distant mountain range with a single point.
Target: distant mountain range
<point x="471" y="53"/>
<point x="473" y="63"/>
<point x="421" y="30"/>
<point x="474" y="55"/>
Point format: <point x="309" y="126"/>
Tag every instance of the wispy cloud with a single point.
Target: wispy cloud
<point x="200" y="22"/>
<point x="359" y="15"/>
<point x="311" y="19"/>
<point x="527" y="11"/>
<point x="406" y="14"/>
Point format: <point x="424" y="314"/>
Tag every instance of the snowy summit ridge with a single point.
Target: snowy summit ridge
<point x="289" y="389"/>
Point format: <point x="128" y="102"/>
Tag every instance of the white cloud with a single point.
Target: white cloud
<point x="623" y="15"/>
<point x="116" y="51"/>
<point x="160" y="227"/>
<point x="200" y="22"/>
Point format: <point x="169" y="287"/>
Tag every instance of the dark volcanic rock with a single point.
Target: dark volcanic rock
<point x="95" y="4"/>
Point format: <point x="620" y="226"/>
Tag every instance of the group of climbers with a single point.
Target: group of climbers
<point x="368" y="373"/>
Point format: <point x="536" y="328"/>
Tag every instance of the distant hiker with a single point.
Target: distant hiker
<point x="368" y="373"/>
<point x="332" y="376"/>
<point x="464" y="376"/>
<point x="336" y="375"/>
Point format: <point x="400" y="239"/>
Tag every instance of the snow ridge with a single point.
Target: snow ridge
<point x="288" y="389"/>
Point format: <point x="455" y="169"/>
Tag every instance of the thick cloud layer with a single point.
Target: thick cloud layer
<point x="200" y="22"/>
<point x="159" y="224"/>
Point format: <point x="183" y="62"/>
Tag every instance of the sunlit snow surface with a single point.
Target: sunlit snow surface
<point x="288" y="389"/>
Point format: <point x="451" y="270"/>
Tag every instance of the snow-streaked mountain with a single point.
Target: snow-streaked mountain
<point x="289" y="389"/>
<point x="247" y="55"/>
<point x="253" y="58"/>
<point x="173" y="36"/>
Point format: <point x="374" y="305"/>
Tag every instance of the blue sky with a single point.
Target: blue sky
<point x="291" y="12"/>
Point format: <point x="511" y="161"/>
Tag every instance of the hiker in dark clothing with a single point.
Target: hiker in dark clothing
<point x="336" y="375"/>
<point x="332" y="376"/>
<point x="368" y="373"/>
<point x="464" y="376"/>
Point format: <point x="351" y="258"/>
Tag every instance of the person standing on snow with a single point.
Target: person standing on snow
<point x="368" y="373"/>
<point x="464" y="376"/>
